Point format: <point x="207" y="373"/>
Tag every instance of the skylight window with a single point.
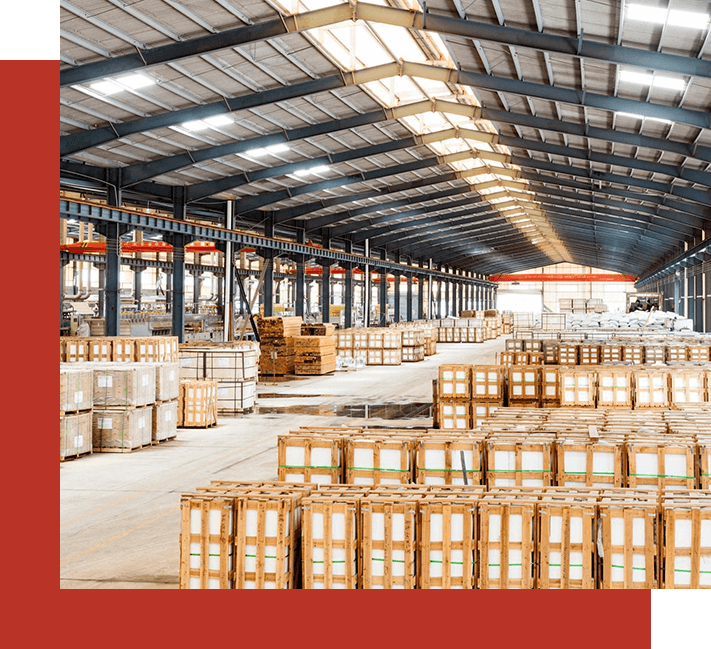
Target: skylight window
<point x="135" y="81"/>
<point x="646" y="79"/>
<point x="277" y="148"/>
<point x="106" y="87"/>
<point x="256" y="153"/>
<point x="219" y="120"/>
<point x="649" y="119"/>
<point x="673" y="18"/>
<point x="318" y="169"/>
<point x="196" y="125"/>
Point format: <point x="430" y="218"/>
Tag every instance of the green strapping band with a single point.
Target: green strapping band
<point x="371" y="468"/>
<point x="455" y="563"/>
<point x="293" y="466"/>
<point x="332" y="561"/>
<point x="585" y="473"/>
<point x="572" y="565"/>
<point x="393" y="560"/>
<point x="457" y="470"/>
<point x="494" y="565"/>
<point x="254" y="556"/>
<point x="652" y="475"/>
<point x="197" y="554"/>
<point x="703" y="572"/>
<point x="519" y="471"/>
<point x="622" y="567"/>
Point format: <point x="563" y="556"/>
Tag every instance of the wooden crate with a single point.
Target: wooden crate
<point x="76" y="350"/>
<point x="310" y="459"/>
<point x="610" y="353"/>
<point x="519" y="463"/>
<point x="76" y="387"/>
<point x="506" y="540"/>
<point x="589" y="463"/>
<point x="655" y="354"/>
<point x="686" y="544"/>
<point x="566" y="542"/>
<point x="480" y="412"/>
<point x="550" y="352"/>
<point x="455" y="382"/>
<point x="375" y="339"/>
<point x="124" y="350"/>
<point x="488" y="384"/>
<point x="439" y="461"/>
<point x="197" y="405"/>
<point x="535" y="358"/>
<point x="704" y="454"/>
<point x="577" y="387"/>
<point x="677" y="352"/>
<point x="627" y="542"/>
<point x="122" y="431"/>
<point x="413" y="354"/>
<point x="164" y="420"/>
<point x="374" y="356"/>
<point x="589" y="354"/>
<point x="392" y="356"/>
<point x="633" y="354"/>
<point x="523" y="383"/>
<point x="329" y="541"/>
<point x="75" y="434"/>
<point x="454" y="415"/>
<point x="660" y="464"/>
<point x="614" y="388"/>
<point x="101" y="350"/>
<point x="687" y="386"/>
<point x="392" y="339"/>
<point x="506" y="359"/>
<point x="567" y="354"/>
<point x="446" y="541"/>
<point x="388" y="541"/>
<point x="651" y="388"/>
<point x="207" y="541"/>
<point x="167" y="381"/>
<point x="376" y="461"/>
<point x="267" y="540"/>
<point x="698" y="353"/>
<point x="550" y="386"/>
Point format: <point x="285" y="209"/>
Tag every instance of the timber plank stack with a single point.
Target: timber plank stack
<point x="276" y="335"/>
<point x="315" y="354"/>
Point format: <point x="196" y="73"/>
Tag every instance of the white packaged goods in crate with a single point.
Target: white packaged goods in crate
<point x="75" y="437"/>
<point x="388" y="542"/>
<point x="101" y="350"/>
<point x="439" y="461"/>
<point x="392" y="339"/>
<point x="506" y="542"/>
<point x="378" y="461"/>
<point x="627" y="540"/>
<point x="660" y="464"/>
<point x="330" y="542"/>
<point x="374" y="356"/>
<point x="76" y="350"/>
<point x="524" y="383"/>
<point x="165" y="420"/>
<point x="455" y="381"/>
<point x="235" y="396"/>
<point x="447" y="542"/>
<point x="523" y="464"/>
<point x="487" y="384"/>
<point x="614" y="388"/>
<point x="76" y="387"/>
<point x="651" y="389"/>
<point x="577" y="388"/>
<point x="584" y="463"/>
<point x="687" y="387"/>
<point x="375" y="339"/>
<point x="392" y="356"/>
<point x="566" y="542"/>
<point x="167" y="381"/>
<point x="124" y="384"/>
<point x="310" y="459"/>
<point x="206" y="542"/>
<point x="121" y="431"/>
<point x="413" y="354"/>
<point x="686" y="550"/>
<point x="455" y="415"/>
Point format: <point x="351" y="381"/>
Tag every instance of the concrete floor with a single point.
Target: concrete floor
<point x="119" y="513"/>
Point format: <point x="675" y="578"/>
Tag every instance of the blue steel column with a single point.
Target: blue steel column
<point x="408" y="311"/>
<point x="446" y="298"/>
<point x="396" y="296"/>
<point x="268" y="260"/>
<point x="348" y="290"/>
<point x="137" y="285"/>
<point x="383" y="295"/>
<point x="367" y="285"/>
<point x="689" y="295"/>
<point x="300" y="276"/>
<point x="197" y="281"/>
<point x="677" y="293"/>
<point x="326" y="279"/>
<point x="112" y="231"/>
<point x="178" y="292"/>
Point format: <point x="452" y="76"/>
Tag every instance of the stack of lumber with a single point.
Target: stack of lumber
<point x="276" y="335"/>
<point x="315" y="354"/>
<point x="318" y="329"/>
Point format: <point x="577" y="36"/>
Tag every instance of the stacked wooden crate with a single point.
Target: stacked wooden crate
<point x="577" y="387"/>
<point x="76" y="402"/>
<point x="344" y="347"/>
<point x="165" y="409"/>
<point x="119" y="349"/>
<point x="523" y="385"/>
<point x="276" y="334"/>
<point x="413" y="345"/>
<point x="315" y="354"/>
<point x="197" y="403"/>
<point x="454" y="399"/>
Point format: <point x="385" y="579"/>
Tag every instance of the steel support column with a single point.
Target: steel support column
<point x="137" y="286"/>
<point x="348" y="296"/>
<point x="383" y="298"/>
<point x="325" y="291"/>
<point x="396" y="298"/>
<point x="268" y="261"/>
<point x="677" y="294"/>
<point x="690" y="296"/>
<point x="228" y="284"/>
<point x="408" y="311"/>
<point x="446" y="298"/>
<point x="197" y="281"/>
<point x="178" y="294"/>
<point x="421" y="297"/>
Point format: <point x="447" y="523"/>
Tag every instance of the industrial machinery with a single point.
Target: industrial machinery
<point x="643" y="302"/>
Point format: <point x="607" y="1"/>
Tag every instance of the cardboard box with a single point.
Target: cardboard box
<point x="121" y="431"/>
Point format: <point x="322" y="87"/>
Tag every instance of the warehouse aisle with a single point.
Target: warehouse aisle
<point x="119" y="513"/>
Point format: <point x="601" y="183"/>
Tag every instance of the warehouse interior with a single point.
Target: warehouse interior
<point x="374" y="236"/>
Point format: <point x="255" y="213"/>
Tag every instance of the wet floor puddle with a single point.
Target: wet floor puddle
<point x="418" y="410"/>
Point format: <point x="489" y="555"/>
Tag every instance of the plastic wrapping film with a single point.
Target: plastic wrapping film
<point x="121" y="431"/>
<point x="167" y="381"/>
<point x="124" y="384"/>
<point x="75" y="436"/>
<point x="76" y="387"/>
<point x="165" y="420"/>
<point x="235" y="396"/>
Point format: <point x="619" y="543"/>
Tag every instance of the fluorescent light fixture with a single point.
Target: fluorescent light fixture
<point x="219" y="120"/>
<point x="255" y="153"/>
<point x="277" y="148"/>
<point x="673" y="18"/>
<point x="196" y="125"/>
<point x="135" y="81"/>
<point x="646" y="79"/>
<point x="106" y="87"/>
